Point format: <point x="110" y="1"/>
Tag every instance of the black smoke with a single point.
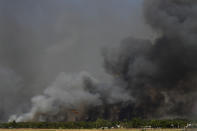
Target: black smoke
<point x="150" y="79"/>
<point x="160" y="76"/>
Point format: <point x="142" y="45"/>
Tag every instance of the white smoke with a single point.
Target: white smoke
<point x="66" y="92"/>
<point x="71" y="92"/>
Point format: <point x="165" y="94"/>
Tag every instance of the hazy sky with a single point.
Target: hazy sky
<point x="41" y="38"/>
<point x="69" y="30"/>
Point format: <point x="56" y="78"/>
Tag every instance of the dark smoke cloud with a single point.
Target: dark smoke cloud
<point x="148" y="79"/>
<point x="161" y="76"/>
<point x="175" y="51"/>
<point x="41" y="39"/>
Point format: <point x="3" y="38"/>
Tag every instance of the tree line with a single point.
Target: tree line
<point x="100" y="123"/>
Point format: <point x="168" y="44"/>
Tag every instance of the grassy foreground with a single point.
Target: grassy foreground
<point x="96" y="130"/>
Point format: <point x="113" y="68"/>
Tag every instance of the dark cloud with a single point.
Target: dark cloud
<point x="41" y="39"/>
<point x="44" y="44"/>
<point x="161" y="76"/>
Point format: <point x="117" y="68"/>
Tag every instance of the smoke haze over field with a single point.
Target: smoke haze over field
<point x="45" y="46"/>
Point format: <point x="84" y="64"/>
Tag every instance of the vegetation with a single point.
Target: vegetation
<point x="120" y="129"/>
<point x="99" y="123"/>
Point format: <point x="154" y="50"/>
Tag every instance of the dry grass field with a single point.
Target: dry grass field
<point x="96" y="130"/>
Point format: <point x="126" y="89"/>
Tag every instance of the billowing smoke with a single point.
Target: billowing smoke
<point x="68" y="98"/>
<point x="66" y="94"/>
<point x="41" y="39"/>
<point x="161" y="76"/>
<point x="149" y="79"/>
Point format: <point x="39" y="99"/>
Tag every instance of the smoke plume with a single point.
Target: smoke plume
<point x="160" y="76"/>
<point x="41" y="39"/>
<point x="68" y="98"/>
<point x="148" y="78"/>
